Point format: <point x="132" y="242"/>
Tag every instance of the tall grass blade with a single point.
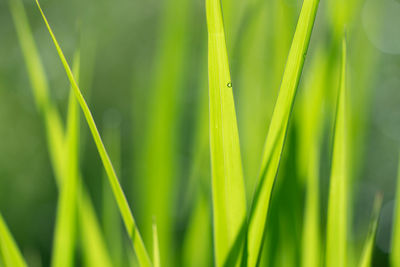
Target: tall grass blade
<point x="229" y="201"/>
<point x="366" y="257"/>
<point x="64" y="240"/>
<point x="9" y="252"/>
<point x="395" y="253"/>
<point x="122" y="202"/>
<point x="336" y="243"/>
<point x="278" y="128"/>
<point x="95" y="251"/>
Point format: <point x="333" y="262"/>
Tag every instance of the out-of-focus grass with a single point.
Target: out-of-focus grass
<point x="164" y="44"/>
<point x="123" y="205"/>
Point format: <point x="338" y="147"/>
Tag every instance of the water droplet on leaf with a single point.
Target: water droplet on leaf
<point x="229" y="85"/>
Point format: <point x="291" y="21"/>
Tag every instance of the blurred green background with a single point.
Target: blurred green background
<point x="144" y="75"/>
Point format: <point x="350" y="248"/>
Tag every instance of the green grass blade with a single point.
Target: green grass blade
<point x="94" y="249"/>
<point x="366" y="257"/>
<point x="64" y="240"/>
<point x="336" y="243"/>
<point x="11" y="256"/>
<point x="395" y="253"/>
<point x="156" y="247"/>
<point x="278" y="128"/>
<point x="122" y="202"/>
<point x="229" y="201"/>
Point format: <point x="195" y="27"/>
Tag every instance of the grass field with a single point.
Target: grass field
<point x="200" y="133"/>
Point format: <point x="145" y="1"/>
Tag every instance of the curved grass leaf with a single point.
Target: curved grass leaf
<point x="9" y="252"/>
<point x="336" y="243"/>
<point x="366" y="257"/>
<point x="229" y="201"/>
<point x="122" y="202"/>
<point x="278" y="128"/>
<point x="395" y="253"/>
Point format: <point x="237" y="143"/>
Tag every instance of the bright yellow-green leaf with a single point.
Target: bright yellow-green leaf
<point x="122" y="202"/>
<point x="9" y="252"/>
<point x="229" y="201"/>
<point x="366" y="257"/>
<point x="278" y="128"/>
<point x="336" y="243"/>
<point x="395" y="253"/>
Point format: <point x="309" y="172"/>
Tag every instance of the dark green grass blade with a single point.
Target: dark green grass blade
<point x="122" y="202"/>
<point x="229" y="201"/>
<point x="366" y="257"/>
<point x="336" y="246"/>
<point x="9" y="252"/>
<point x="278" y="128"/>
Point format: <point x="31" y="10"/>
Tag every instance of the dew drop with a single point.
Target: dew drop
<point x="229" y="85"/>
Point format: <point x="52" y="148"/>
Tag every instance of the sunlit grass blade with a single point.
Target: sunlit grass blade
<point x="229" y="201"/>
<point x="278" y="128"/>
<point x="64" y="239"/>
<point x="156" y="247"/>
<point x="122" y="202"/>
<point x="366" y="257"/>
<point x="336" y="243"/>
<point x="9" y="251"/>
<point x="395" y="253"/>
